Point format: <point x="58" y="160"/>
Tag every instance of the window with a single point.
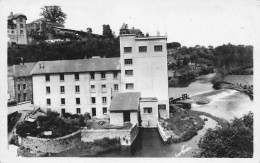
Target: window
<point x="62" y="89"/>
<point x="128" y="61"/>
<point x="19" y="97"/>
<point x="21" y="32"/>
<point x="148" y="110"/>
<point x="21" y="25"/>
<point x="142" y="49"/>
<point x="104" y="110"/>
<point x="47" y="77"/>
<point x="24" y="86"/>
<point x="21" y="19"/>
<point x="77" y="88"/>
<point x="127" y="49"/>
<point x="93" y="112"/>
<point x="78" y="110"/>
<point x="104" y="100"/>
<point x="77" y="101"/>
<point x="93" y="100"/>
<point x="104" y="89"/>
<point x="77" y="76"/>
<point x="19" y="87"/>
<point x="129" y="86"/>
<point x="103" y="75"/>
<point x="158" y="48"/>
<point x="115" y="75"/>
<point x="63" y="112"/>
<point x="116" y="87"/>
<point x="48" y="90"/>
<point x="62" y="100"/>
<point x="48" y="101"/>
<point x="162" y="107"/>
<point x="61" y="77"/>
<point x="92" y="88"/>
<point x="24" y="97"/>
<point x="128" y="72"/>
<point x="92" y="75"/>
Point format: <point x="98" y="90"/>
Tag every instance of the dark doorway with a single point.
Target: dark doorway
<point x="126" y="116"/>
<point x="62" y="112"/>
<point x="93" y="112"/>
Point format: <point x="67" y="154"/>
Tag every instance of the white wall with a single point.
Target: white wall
<point x="40" y="96"/>
<point x="149" y="68"/>
<point x="149" y="119"/>
<point x="116" y="118"/>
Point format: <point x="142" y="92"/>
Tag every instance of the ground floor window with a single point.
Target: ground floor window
<point x="104" y="110"/>
<point x="93" y="112"/>
<point x="63" y="112"/>
<point x="19" y="97"/>
<point x="162" y="107"/>
<point x="25" y="97"/>
<point x="78" y="110"/>
<point x="148" y="110"/>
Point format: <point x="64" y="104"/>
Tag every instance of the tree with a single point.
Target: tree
<point x="173" y="45"/>
<point x="54" y="13"/>
<point x="233" y="141"/>
<point x="107" y="31"/>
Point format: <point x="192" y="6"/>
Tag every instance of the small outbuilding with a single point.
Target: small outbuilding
<point x="124" y="108"/>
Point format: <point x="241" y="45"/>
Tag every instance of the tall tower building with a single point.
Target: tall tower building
<point x="144" y="69"/>
<point x="16" y="29"/>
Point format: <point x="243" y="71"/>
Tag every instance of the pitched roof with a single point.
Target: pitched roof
<point x="79" y="65"/>
<point x="21" y="70"/>
<point x="126" y="101"/>
<point x="14" y="16"/>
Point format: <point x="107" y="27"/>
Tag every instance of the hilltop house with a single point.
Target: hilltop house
<point x="16" y="29"/>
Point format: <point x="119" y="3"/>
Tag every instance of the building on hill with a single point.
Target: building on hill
<point x="20" y="87"/>
<point x="16" y="30"/>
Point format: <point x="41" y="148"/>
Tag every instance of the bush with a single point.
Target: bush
<point x="232" y="141"/>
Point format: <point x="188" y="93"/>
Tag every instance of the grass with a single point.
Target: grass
<point x="186" y="123"/>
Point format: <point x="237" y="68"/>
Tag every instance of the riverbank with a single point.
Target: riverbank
<point x="185" y="124"/>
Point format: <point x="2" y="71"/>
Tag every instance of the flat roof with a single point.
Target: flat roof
<point x="127" y="101"/>
<point x="148" y="99"/>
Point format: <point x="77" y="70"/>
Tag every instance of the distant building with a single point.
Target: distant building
<point x="20" y="87"/>
<point x="16" y="30"/>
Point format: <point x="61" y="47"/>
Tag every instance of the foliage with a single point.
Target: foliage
<point x="173" y="45"/>
<point x="232" y="141"/>
<point x="54" y="13"/>
<point x="13" y="119"/>
<point x="107" y="31"/>
<point x="103" y="47"/>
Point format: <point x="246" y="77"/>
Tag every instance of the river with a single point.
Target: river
<point x="226" y="104"/>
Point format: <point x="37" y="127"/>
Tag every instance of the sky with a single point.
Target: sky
<point x="189" y="22"/>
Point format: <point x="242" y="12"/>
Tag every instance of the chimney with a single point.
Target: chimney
<point x="11" y="14"/>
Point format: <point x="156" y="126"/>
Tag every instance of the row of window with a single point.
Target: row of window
<point x="143" y="49"/>
<point x="77" y="88"/>
<point x="63" y="102"/>
<point x="76" y="76"/>
<point x="19" y="86"/>
<point x="94" y="113"/>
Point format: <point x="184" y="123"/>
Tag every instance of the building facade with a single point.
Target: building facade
<point x="20" y="86"/>
<point x="77" y="86"/>
<point x="16" y="30"/>
<point x="144" y="69"/>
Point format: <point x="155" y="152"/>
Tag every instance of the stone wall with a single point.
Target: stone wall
<point x="55" y="145"/>
<point x="162" y="133"/>
<point x="126" y="136"/>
